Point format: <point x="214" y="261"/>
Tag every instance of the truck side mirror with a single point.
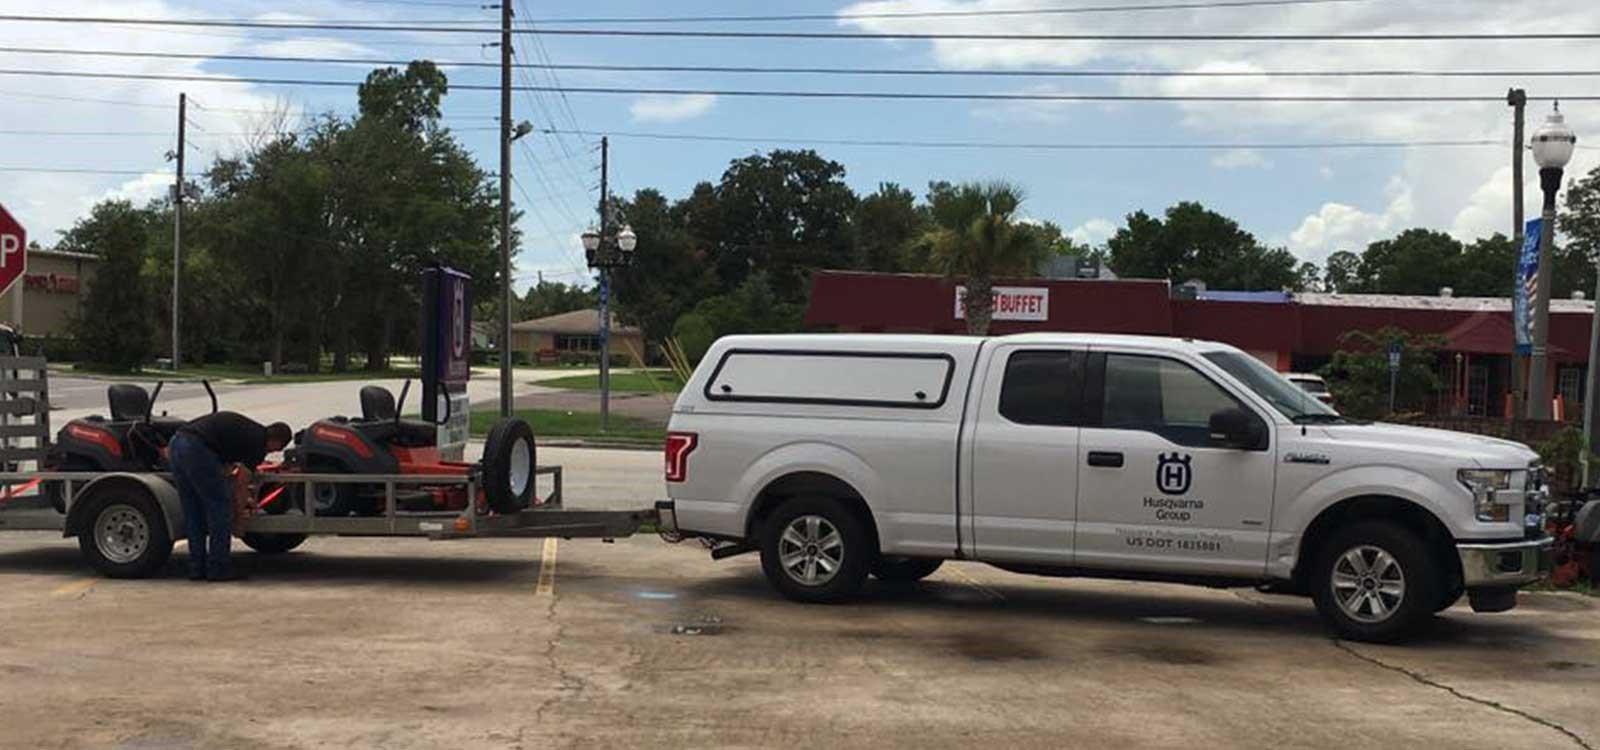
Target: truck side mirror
<point x="1233" y="427"/>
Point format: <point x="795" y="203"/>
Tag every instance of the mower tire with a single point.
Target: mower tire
<point x="508" y="466"/>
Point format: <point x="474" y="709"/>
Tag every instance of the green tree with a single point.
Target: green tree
<point x="1417" y="261"/>
<point x="1193" y="242"/>
<point x="114" y="328"/>
<point x="548" y="298"/>
<point x="408" y="99"/>
<point x="976" y="238"/>
<point x="669" y="274"/>
<point x="753" y="307"/>
<point x="1485" y="268"/>
<point x="1343" y="273"/>
<point x="785" y="212"/>
<point x="1358" y="374"/>
<point x="887" y="224"/>
<point x="1308" y="278"/>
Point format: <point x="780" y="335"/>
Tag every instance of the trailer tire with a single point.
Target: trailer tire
<point x="904" y="569"/>
<point x="1374" y="581"/>
<point x="806" y="536"/>
<point x="125" y="533"/>
<point x="273" y="544"/>
<point x="509" y="460"/>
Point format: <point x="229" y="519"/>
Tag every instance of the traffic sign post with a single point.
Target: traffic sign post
<point x="13" y="250"/>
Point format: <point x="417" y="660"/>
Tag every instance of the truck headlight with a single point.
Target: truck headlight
<point x="1485" y="485"/>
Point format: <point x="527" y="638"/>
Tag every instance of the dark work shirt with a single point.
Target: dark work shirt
<point x="235" y="438"/>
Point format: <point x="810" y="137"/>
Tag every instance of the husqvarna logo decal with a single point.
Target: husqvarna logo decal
<point x="1173" y="474"/>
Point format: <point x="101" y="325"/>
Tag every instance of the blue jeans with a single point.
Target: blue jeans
<point x="207" y="509"/>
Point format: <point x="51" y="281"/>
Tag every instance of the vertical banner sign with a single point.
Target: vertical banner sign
<point x="1527" y="289"/>
<point x="447" y="357"/>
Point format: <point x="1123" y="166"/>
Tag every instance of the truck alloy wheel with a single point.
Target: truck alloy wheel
<point x="1368" y="583"/>
<point x="1375" y="581"/>
<point x="811" y="550"/>
<point x="816" y="549"/>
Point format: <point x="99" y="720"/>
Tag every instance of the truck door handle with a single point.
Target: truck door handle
<point x="1112" y="459"/>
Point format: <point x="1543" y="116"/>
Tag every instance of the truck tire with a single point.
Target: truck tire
<point x="1374" y="581"/>
<point x="508" y="466"/>
<point x="125" y="534"/>
<point x="273" y="544"/>
<point x="816" y="550"/>
<point x="904" y="569"/>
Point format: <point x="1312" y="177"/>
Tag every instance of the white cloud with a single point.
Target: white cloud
<point x="1339" y="226"/>
<point x="661" y="108"/>
<point x="1092" y="232"/>
<point x="314" y="47"/>
<point x="1240" y="158"/>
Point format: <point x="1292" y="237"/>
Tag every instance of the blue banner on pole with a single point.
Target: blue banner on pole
<point x="1527" y="288"/>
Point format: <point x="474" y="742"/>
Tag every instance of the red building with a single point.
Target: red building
<point x="1292" y="332"/>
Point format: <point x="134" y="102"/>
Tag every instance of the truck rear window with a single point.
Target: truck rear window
<point x="911" y="380"/>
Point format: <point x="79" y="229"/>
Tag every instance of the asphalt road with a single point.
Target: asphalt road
<point x="390" y="643"/>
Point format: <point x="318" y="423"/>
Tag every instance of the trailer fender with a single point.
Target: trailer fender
<point x="159" y="487"/>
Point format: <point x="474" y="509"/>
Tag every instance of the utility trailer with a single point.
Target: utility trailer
<point x="127" y="523"/>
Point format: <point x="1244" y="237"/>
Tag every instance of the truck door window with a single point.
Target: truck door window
<point x="1163" y="396"/>
<point x="1043" y="387"/>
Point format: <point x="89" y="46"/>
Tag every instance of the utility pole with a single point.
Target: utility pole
<point x="505" y="208"/>
<point x="177" y="229"/>
<point x="605" y="291"/>
<point x="1518" y="99"/>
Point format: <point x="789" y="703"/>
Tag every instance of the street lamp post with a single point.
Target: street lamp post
<point x="1553" y="142"/>
<point x="606" y="252"/>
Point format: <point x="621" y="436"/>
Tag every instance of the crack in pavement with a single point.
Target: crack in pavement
<point x="1492" y="704"/>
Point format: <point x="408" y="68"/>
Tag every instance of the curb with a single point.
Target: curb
<point x="598" y="444"/>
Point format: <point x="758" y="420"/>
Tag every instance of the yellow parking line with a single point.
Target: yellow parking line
<point x="973" y="582"/>
<point x="547" y="569"/>
<point x="75" y="587"/>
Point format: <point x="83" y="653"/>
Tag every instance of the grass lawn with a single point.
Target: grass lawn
<point x="634" y="381"/>
<point x="586" y="424"/>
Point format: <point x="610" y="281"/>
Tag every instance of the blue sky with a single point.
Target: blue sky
<point x="1313" y="202"/>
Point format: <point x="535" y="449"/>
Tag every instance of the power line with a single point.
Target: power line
<point x="1083" y="146"/>
<point x="1066" y="10"/>
<point x="843" y="71"/>
<point x="815" y="35"/>
<point x="814" y="94"/>
<point x="72" y="170"/>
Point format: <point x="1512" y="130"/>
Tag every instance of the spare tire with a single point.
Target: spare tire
<point x="508" y="466"/>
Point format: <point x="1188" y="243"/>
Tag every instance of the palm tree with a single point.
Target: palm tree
<point x="976" y="237"/>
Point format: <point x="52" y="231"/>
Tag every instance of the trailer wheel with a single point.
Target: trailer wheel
<point x="1375" y="582"/>
<point x="125" y="534"/>
<point x="508" y="466"/>
<point x="815" y="549"/>
<point x="904" y="569"/>
<point x="273" y="544"/>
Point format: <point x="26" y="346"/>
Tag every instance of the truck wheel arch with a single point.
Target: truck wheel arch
<point x="1413" y="516"/>
<point x="807" y="484"/>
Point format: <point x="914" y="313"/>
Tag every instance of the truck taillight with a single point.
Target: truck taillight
<point x="679" y="446"/>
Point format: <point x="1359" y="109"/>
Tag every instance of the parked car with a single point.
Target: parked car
<point x="843" y="456"/>
<point x="1312" y="384"/>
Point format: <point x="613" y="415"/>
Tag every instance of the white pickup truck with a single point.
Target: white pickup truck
<point x="842" y="456"/>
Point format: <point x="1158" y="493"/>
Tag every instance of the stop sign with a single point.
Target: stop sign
<point x="13" y="250"/>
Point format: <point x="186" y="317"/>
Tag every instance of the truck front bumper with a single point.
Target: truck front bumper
<point x="1503" y="563"/>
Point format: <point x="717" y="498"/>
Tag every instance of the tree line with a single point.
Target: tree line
<point x="305" y="248"/>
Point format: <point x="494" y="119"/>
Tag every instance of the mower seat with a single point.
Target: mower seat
<point x="378" y="421"/>
<point x="129" y="402"/>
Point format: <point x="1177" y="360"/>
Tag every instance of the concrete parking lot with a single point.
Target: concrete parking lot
<point x="531" y="644"/>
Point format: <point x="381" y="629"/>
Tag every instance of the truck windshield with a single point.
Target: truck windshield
<point x="1288" y="398"/>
